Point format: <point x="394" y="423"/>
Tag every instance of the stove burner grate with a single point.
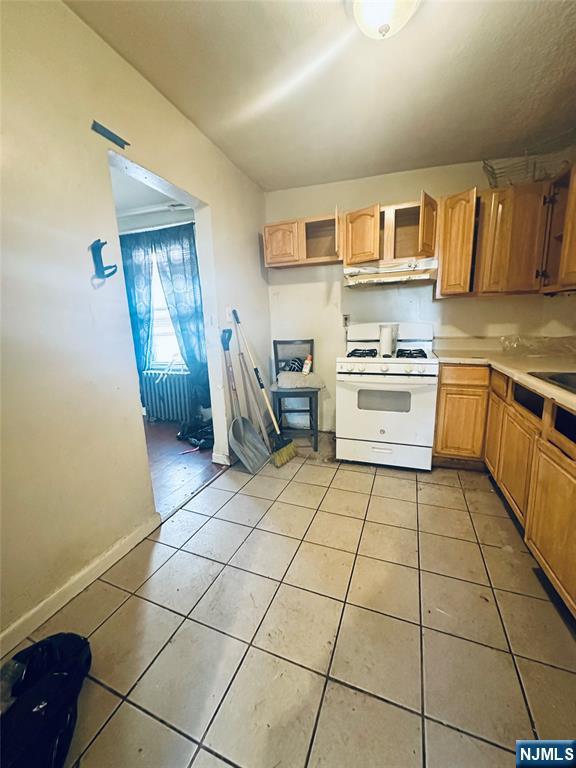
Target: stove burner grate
<point x="363" y="353"/>
<point x="411" y="353"/>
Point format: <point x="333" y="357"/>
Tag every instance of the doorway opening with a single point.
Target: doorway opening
<point x="157" y="228"/>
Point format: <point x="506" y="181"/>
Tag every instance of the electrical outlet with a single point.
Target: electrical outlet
<point x="345" y="320"/>
<point x="229" y="317"/>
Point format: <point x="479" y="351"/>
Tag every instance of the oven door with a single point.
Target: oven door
<point x="390" y="409"/>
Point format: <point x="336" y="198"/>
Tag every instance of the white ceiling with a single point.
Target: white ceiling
<point x="295" y="95"/>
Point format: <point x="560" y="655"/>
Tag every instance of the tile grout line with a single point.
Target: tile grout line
<point x="421" y="633"/>
<point x="250" y="644"/>
<point x="301" y="541"/>
<point x="255" y="527"/>
<point x="130" y="593"/>
<point x="246" y="570"/>
<point x="371" y="557"/>
<point x="348" y="602"/>
<point x="339" y="549"/>
<point x="124" y="698"/>
<point x="343" y="683"/>
<point x="336" y="636"/>
<point x="410" y="711"/>
<point x="505" y="630"/>
<point x="189" y="498"/>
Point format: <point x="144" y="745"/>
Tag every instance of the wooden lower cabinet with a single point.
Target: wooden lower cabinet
<point x="460" y="422"/>
<point x="493" y="433"/>
<point x="551" y="518"/>
<point x="515" y="460"/>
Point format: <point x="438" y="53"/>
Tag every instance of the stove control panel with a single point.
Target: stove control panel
<point x="374" y="368"/>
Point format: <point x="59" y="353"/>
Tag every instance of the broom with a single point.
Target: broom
<point x="283" y="448"/>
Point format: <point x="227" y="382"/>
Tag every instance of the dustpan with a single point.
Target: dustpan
<point x="242" y="436"/>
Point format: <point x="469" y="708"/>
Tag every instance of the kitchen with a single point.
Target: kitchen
<point x="493" y="342"/>
<point x="399" y="201"/>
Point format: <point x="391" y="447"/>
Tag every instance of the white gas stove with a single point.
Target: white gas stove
<point x="386" y="389"/>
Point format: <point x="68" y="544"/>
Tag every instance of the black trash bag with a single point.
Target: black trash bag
<point x="37" y="727"/>
<point x="199" y="435"/>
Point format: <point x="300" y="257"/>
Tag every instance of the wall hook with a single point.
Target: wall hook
<point x="100" y="271"/>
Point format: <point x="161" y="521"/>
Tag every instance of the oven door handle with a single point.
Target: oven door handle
<point x="393" y="387"/>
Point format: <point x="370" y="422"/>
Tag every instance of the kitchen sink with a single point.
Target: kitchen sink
<point x="564" y="380"/>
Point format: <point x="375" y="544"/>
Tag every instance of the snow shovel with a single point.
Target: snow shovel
<point x="243" y="438"/>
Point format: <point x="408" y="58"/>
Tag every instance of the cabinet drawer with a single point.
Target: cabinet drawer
<point x="465" y="375"/>
<point x="499" y="383"/>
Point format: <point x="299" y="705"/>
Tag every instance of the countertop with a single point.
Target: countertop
<point x="517" y="367"/>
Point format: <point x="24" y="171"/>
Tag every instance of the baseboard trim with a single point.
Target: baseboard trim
<point x="221" y="458"/>
<point x="26" y="624"/>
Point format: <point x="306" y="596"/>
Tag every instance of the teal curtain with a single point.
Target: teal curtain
<point x="175" y="252"/>
<point x="174" y="249"/>
<point x="137" y="263"/>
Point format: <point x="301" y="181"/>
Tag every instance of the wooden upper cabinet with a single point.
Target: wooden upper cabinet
<point x="558" y="229"/>
<point x="551" y="519"/>
<point x="494" y="239"/>
<point x="527" y="232"/>
<point x="409" y="230"/>
<point x="313" y="241"/>
<point x="457" y="242"/>
<point x="427" y="226"/>
<point x="517" y="444"/>
<point x="567" y="272"/>
<point x="281" y="243"/>
<point x="362" y="236"/>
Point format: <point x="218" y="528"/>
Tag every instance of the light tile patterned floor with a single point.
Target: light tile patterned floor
<point x="325" y="615"/>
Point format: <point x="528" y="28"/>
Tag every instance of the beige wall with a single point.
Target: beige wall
<point x="310" y="301"/>
<point x="75" y="474"/>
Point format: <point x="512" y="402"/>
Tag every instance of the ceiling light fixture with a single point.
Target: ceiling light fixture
<point x="380" y="19"/>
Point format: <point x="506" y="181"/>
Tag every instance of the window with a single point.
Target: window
<point x="165" y="349"/>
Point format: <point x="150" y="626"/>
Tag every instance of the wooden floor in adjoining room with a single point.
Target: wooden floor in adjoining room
<point x="175" y="477"/>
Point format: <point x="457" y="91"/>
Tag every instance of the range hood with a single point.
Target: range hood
<point x="385" y="272"/>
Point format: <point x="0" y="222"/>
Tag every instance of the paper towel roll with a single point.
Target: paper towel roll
<point x="386" y="339"/>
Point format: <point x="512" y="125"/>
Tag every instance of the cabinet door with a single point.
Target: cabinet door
<point x="459" y="213"/>
<point x="362" y="235"/>
<point x="281" y="243"/>
<point x="493" y="434"/>
<point x="460" y="422"/>
<point x="567" y="277"/>
<point x="551" y="519"/>
<point x="516" y="446"/>
<point x="494" y="239"/>
<point x="427" y="225"/>
<point x="557" y="199"/>
<point x="340" y="224"/>
<point x="526" y="237"/>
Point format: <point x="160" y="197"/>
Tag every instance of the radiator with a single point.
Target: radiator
<point x="168" y="396"/>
